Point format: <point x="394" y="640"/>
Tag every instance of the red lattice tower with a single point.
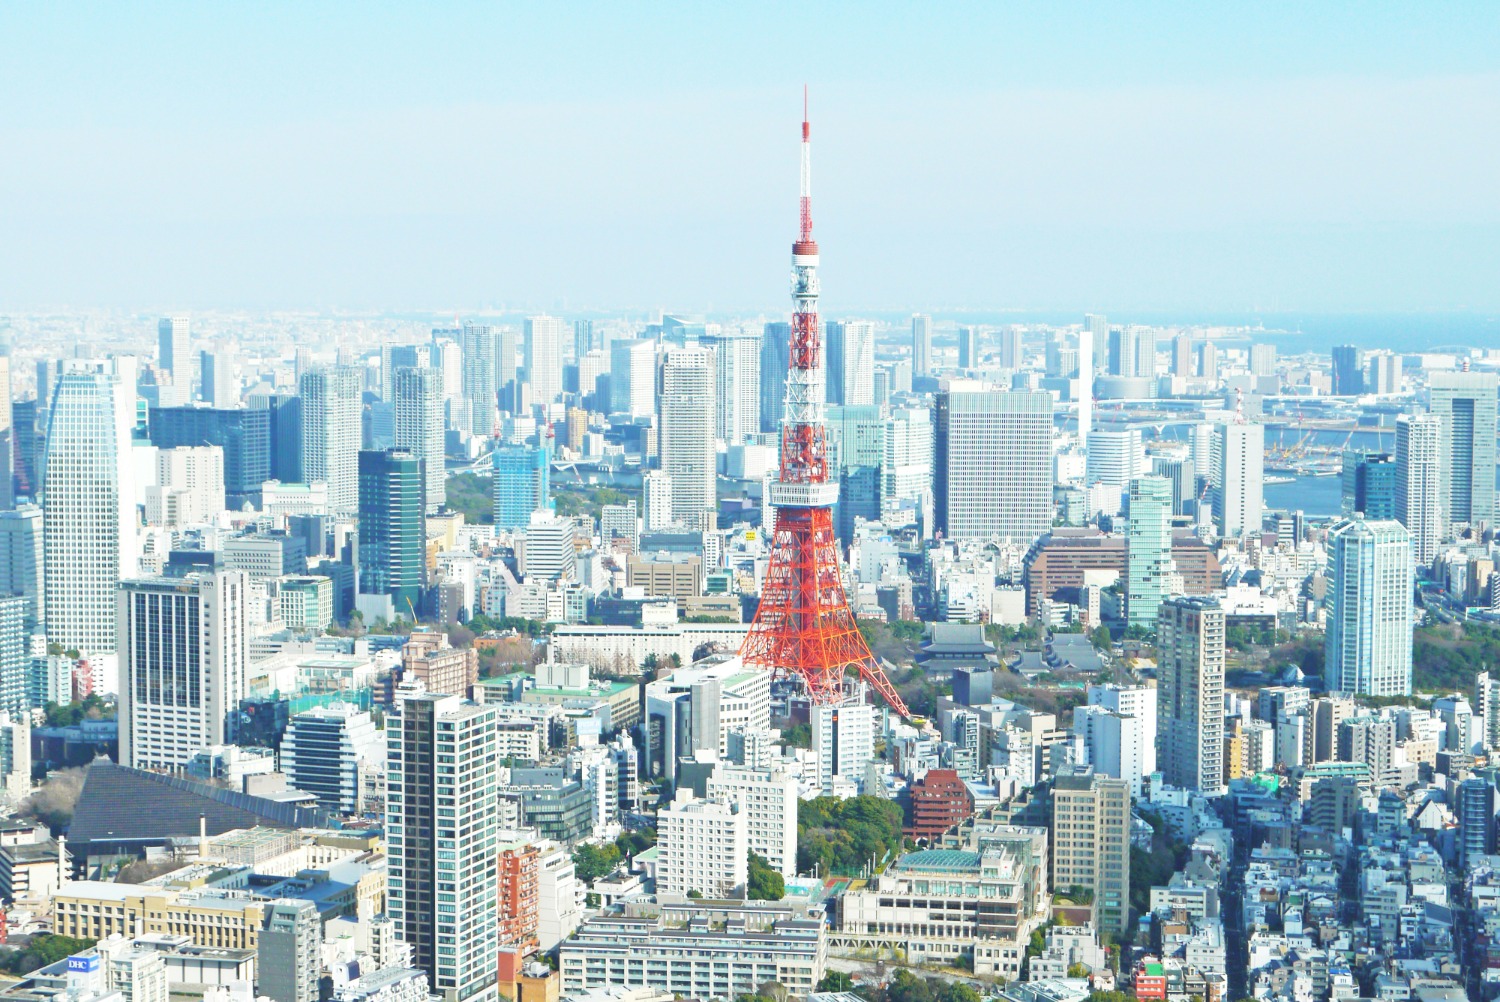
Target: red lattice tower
<point x="804" y="625"/>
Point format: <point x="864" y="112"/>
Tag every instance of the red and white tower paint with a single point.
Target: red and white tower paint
<point x="804" y="625"/>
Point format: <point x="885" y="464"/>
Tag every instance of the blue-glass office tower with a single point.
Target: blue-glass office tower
<point x="522" y="485"/>
<point x="1369" y="484"/>
<point x="243" y="434"/>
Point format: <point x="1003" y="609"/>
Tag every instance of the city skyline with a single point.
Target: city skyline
<point x="1270" y="162"/>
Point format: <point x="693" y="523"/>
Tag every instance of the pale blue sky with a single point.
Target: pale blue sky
<point x="452" y="156"/>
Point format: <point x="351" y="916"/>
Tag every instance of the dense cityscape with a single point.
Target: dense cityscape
<point x="785" y="655"/>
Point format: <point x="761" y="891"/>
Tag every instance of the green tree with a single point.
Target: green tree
<point x="797" y="736"/>
<point x="845" y="836"/>
<point x="907" y="987"/>
<point x="1100" y="638"/>
<point x="590" y="862"/>
<point x="44" y="948"/>
<point x="836" y="981"/>
<point x="955" y="991"/>
<point x="764" y="883"/>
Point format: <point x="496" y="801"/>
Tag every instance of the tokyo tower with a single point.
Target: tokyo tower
<point x="804" y="625"/>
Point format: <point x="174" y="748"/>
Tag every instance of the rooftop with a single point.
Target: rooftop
<point x="939" y="861"/>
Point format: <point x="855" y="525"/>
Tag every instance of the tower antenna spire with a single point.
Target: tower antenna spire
<point x="804" y="625"/>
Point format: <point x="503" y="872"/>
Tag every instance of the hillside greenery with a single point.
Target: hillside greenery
<point x="843" y="836"/>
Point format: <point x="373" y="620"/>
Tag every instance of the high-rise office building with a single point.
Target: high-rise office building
<point x="1475" y="812"/>
<point x="184" y="661"/>
<point x="1419" y="488"/>
<point x="220" y="388"/>
<point x="593" y="367"/>
<point x="1348" y="375"/>
<point x="507" y="383"/>
<point x="843" y="738"/>
<point x="174" y="352"/>
<point x="1148" y="550"/>
<point x="1011" y="353"/>
<point x="656" y="500"/>
<point x="392" y="529"/>
<point x="977" y="497"/>
<point x="1383" y="373"/>
<point x="1262" y="360"/>
<point x="1115" y="458"/>
<point x="968" y="347"/>
<point x="1182" y="356"/>
<point x="1091" y="841"/>
<point x="1238" y="477"/>
<point x="90" y="539"/>
<point x="583" y="337"/>
<point x="1137" y="702"/>
<point x="441" y="826"/>
<point x="547" y="550"/>
<point x="481" y="388"/>
<point x="21" y="563"/>
<point x="736" y="383"/>
<point x="1132" y="352"/>
<point x="544" y="347"/>
<point x="418" y="403"/>
<point x="704" y="847"/>
<point x="289" y="951"/>
<point x="331" y="432"/>
<point x="15" y="666"/>
<point x="1096" y="333"/>
<point x="775" y="354"/>
<point x="522" y="484"/>
<point x="1465" y="403"/>
<point x="632" y="378"/>
<point x="1179" y="470"/>
<point x="243" y="433"/>
<point x="906" y="470"/>
<point x="921" y="344"/>
<point x="330" y="751"/>
<point x="1368" y="484"/>
<point x="1190" y="694"/>
<point x="1368" y="641"/>
<point x="851" y="362"/>
<point x="686" y="419"/>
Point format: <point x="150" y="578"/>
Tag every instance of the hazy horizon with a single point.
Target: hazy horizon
<point x="1156" y="159"/>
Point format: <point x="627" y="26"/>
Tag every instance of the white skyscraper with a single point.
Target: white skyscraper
<point x="1115" y="458"/>
<point x="906" y="473"/>
<point x="686" y="420"/>
<point x="480" y="359"/>
<point x="545" y="341"/>
<point x="736" y="384"/>
<point x="703" y="846"/>
<point x="977" y="493"/>
<point x="1419" y="489"/>
<point x="843" y="737"/>
<point x="174" y="353"/>
<point x="768" y="799"/>
<point x="1368" y="641"/>
<point x="1238" y="477"/>
<point x="331" y="433"/>
<point x="632" y="377"/>
<point x="851" y="362"/>
<point x="189" y="488"/>
<point x="90" y="537"/>
<point x="184" y="656"/>
<point x="656" y="500"/>
<point x="418" y="409"/>
<point x="1137" y="742"/>
<point x="442" y="819"/>
<point x="1085" y="389"/>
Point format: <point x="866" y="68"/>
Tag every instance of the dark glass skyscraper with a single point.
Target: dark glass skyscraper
<point x="1369" y="484"/>
<point x="1348" y="371"/>
<point x="392" y="528"/>
<point x="243" y="434"/>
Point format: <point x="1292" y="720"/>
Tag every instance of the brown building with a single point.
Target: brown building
<point x="939" y="801"/>
<point x="518" y="877"/>
<point x="1057" y="561"/>
<point x="441" y="668"/>
<point x="679" y="579"/>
